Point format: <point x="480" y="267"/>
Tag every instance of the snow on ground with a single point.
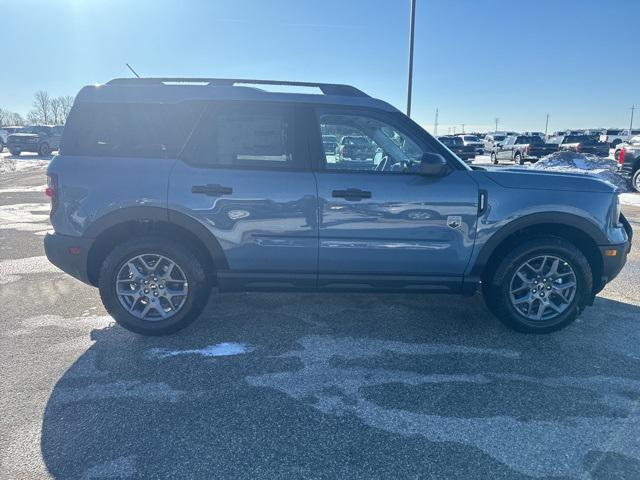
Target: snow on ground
<point x="10" y="163"/>
<point x="218" y="350"/>
<point x="631" y="198"/>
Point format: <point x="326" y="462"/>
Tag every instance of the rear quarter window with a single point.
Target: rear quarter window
<point x="129" y="129"/>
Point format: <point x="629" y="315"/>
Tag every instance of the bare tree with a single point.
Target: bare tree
<point x="10" y="118"/>
<point x="66" y="103"/>
<point x="56" y="110"/>
<point x="41" y="111"/>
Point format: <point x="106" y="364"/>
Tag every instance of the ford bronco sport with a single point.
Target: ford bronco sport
<point x="165" y="188"/>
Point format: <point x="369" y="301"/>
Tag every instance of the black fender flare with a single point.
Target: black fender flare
<point x="159" y="214"/>
<point x="547" y="218"/>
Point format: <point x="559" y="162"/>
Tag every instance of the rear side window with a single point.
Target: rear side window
<point x="129" y="129"/>
<point x="243" y="136"/>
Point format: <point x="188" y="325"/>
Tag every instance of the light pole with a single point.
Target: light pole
<point x="411" y="35"/>
<point x="633" y="107"/>
<point x="497" y="120"/>
<point x="546" y="126"/>
<point x="435" y="125"/>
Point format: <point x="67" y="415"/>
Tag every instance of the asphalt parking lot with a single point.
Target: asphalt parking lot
<point x="305" y="386"/>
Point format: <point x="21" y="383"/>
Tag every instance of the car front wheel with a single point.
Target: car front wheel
<point x="635" y="180"/>
<point x="153" y="286"/>
<point x="540" y="286"/>
<point x="494" y="158"/>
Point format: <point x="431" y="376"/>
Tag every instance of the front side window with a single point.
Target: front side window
<point x="242" y="136"/>
<point x="368" y="144"/>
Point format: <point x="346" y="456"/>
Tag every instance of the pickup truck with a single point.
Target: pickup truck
<point x="581" y="144"/>
<point x="633" y="141"/>
<point x="457" y="146"/>
<point x="629" y="164"/>
<point x="519" y="148"/>
<point x="474" y="141"/>
<point x="615" y="136"/>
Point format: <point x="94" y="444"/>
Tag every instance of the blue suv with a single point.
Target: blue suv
<point x="167" y="187"/>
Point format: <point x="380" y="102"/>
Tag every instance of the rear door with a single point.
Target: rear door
<point x="245" y="176"/>
<point x="383" y="225"/>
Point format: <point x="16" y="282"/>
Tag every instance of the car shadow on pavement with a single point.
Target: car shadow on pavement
<point x="352" y="386"/>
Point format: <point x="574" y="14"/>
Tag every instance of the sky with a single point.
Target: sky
<point x="518" y="60"/>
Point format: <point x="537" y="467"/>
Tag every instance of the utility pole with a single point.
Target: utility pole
<point x="411" y="35"/>
<point x="463" y="128"/>
<point x="633" y="107"/>
<point x="454" y="129"/>
<point x="546" y="126"/>
<point x="497" y="120"/>
<point x="435" y="125"/>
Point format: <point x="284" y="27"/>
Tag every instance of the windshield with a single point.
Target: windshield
<point x="358" y="141"/>
<point x="471" y="138"/>
<point x="499" y="138"/>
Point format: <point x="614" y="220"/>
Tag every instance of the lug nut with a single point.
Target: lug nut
<point x="155" y="294"/>
<point x="162" y="285"/>
<point x="542" y="294"/>
<point x="146" y="290"/>
<point x="533" y="291"/>
<point x="548" y="287"/>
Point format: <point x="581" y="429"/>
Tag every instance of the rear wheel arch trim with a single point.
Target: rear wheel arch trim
<point x="545" y="218"/>
<point x="142" y="214"/>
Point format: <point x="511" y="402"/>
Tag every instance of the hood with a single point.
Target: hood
<point x="538" y="180"/>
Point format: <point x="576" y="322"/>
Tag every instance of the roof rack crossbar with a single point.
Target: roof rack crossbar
<point x="326" y="88"/>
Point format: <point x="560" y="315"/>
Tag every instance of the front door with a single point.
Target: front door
<point x="382" y="224"/>
<point x="243" y="176"/>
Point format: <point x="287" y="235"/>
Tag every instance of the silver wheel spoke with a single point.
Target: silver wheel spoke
<point x="151" y="287"/>
<point x="552" y="287"/>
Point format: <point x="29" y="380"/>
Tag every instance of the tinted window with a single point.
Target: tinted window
<point x="579" y="139"/>
<point x="613" y="132"/>
<point x="129" y="130"/>
<point x="369" y="144"/>
<point x="259" y="135"/>
<point x="534" y="140"/>
<point x="499" y="138"/>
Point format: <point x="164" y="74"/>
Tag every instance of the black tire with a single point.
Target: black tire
<point x="616" y="142"/>
<point x="496" y="292"/>
<point x="197" y="297"/>
<point x="518" y="158"/>
<point x="494" y="158"/>
<point x="635" y="180"/>
<point x="15" y="152"/>
<point x="1" y="147"/>
<point x="44" y="150"/>
<point x="616" y="154"/>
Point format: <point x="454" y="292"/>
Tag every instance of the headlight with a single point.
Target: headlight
<point x="615" y="219"/>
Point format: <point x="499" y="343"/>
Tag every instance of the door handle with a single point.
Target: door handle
<point x="212" y="190"/>
<point x="352" y="194"/>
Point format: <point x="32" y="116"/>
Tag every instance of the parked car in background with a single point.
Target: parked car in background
<point x="521" y="148"/>
<point x="473" y="141"/>
<point x="629" y="164"/>
<point x="41" y="139"/>
<point x="11" y="129"/>
<point x="355" y="147"/>
<point x="581" y="144"/>
<point x="615" y="136"/>
<point x="533" y="134"/>
<point x="632" y="142"/>
<point x="457" y="146"/>
<point x="144" y="222"/>
<point x="491" y="139"/>
<point x="4" y="135"/>
<point x="330" y="144"/>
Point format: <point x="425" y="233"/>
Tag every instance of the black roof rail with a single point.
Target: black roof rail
<point x="326" y="88"/>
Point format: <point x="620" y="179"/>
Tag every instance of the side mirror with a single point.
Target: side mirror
<point x="433" y="165"/>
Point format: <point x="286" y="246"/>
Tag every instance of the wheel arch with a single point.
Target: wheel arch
<point x="127" y="223"/>
<point x="579" y="231"/>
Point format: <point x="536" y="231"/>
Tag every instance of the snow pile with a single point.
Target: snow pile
<point x="16" y="164"/>
<point x="586" y="163"/>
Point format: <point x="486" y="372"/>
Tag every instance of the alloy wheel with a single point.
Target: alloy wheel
<point x="543" y="287"/>
<point x="151" y="287"/>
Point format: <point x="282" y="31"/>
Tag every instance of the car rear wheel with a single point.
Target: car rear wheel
<point x="153" y="286"/>
<point x="518" y="159"/>
<point x="494" y="158"/>
<point x="44" y="150"/>
<point x="15" y="151"/>
<point x="635" y="180"/>
<point x="540" y="286"/>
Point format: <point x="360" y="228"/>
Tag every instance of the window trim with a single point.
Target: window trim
<point x="300" y="161"/>
<point x="415" y="133"/>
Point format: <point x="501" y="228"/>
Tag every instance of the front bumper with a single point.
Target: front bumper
<point x="24" y="146"/>
<point x="69" y="254"/>
<point x="612" y="264"/>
